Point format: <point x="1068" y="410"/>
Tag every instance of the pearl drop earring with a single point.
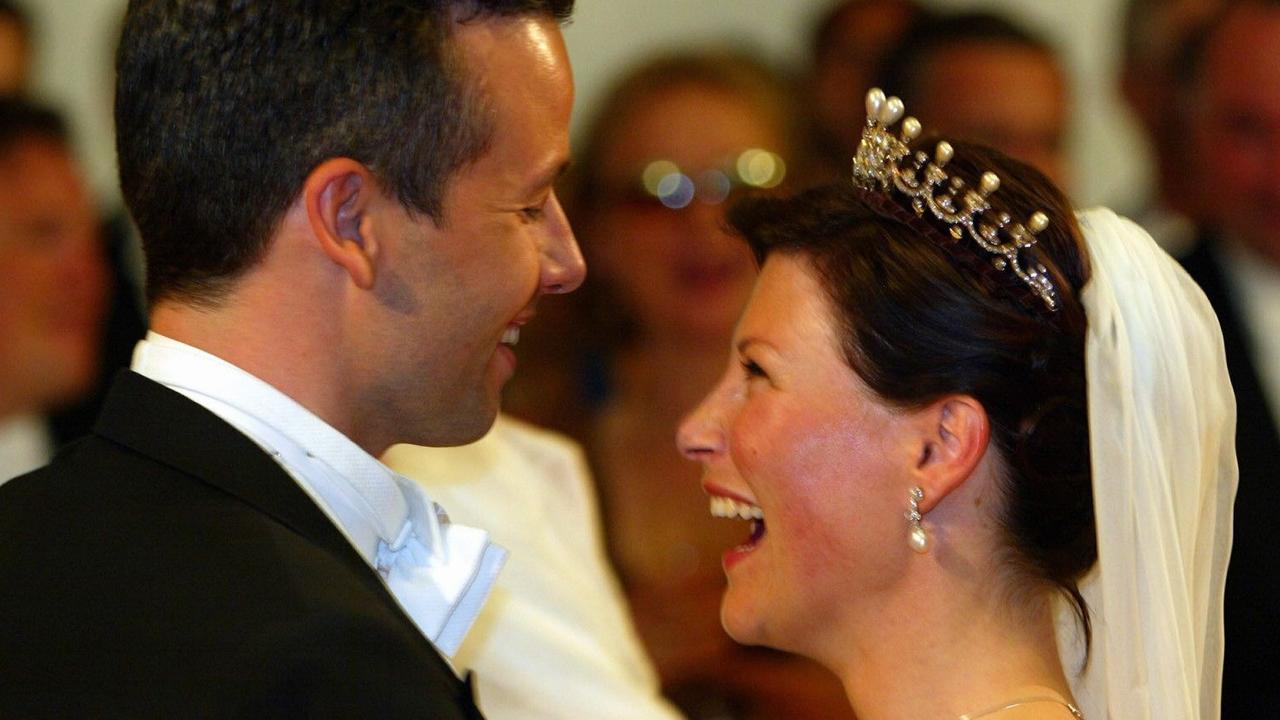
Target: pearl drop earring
<point x="916" y="538"/>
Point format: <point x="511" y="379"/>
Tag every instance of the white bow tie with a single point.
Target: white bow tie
<point x="440" y="572"/>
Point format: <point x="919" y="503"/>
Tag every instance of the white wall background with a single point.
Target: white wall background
<point x="76" y="38"/>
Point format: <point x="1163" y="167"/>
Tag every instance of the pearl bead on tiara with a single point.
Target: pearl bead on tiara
<point x="884" y="162"/>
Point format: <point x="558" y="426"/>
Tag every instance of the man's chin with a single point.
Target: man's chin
<point x="462" y="429"/>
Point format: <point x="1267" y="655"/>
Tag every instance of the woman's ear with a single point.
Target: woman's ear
<point x="954" y="432"/>
<point x="337" y="195"/>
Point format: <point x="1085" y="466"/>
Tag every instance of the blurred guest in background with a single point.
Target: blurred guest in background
<point x="119" y="316"/>
<point x="15" y="49"/>
<point x="979" y="76"/>
<point x="846" y="48"/>
<point x="1154" y="33"/>
<point x="1230" y="84"/>
<point x="673" y="144"/>
<point x="53" y="283"/>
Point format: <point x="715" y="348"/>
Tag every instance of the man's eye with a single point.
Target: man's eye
<point x="533" y="213"/>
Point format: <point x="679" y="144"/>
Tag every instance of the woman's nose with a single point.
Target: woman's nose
<point x="700" y="436"/>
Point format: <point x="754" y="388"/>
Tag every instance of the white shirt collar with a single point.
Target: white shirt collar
<point x="351" y="484"/>
<point x="389" y="520"/>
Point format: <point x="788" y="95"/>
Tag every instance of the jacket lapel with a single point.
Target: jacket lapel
<point x="164" y="425"/>
<point x="1251" y="576"/>
<point x="1256" y="421"/>
<point x="159" y="423"/>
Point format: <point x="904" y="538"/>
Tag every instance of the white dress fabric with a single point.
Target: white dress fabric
<point x="1162" y="438"/>
<point x="555" y="641"/>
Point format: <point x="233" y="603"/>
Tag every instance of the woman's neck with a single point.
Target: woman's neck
<point x="966" y="654"/>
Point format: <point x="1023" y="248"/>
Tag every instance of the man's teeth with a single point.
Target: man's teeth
<point x="727" y="507"/>
<point x="511" y="336"/>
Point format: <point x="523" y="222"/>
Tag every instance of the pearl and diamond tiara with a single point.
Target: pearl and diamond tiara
<point x="884" y="163"/>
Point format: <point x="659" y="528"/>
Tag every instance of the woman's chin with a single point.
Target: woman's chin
<point x="741" y="619"/>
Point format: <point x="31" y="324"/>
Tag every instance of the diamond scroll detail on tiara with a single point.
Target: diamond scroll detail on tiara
<point x="885" y="163"/>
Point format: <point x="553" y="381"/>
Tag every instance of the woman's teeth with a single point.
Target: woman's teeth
<point x="511" y="336"/>
<point x="727" y="507"/>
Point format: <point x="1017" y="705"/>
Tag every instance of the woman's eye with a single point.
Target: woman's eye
<point x="753" y="370"/>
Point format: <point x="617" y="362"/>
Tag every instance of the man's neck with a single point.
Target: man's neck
<point x="268" y="346"/>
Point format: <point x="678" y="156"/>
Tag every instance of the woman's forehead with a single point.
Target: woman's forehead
<point x="789" y="303"/>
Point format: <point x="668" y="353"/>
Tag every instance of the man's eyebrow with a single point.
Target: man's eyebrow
<point x="550" y="177"/>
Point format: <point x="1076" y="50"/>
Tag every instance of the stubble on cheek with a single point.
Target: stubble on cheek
<point x="396" y="294"/>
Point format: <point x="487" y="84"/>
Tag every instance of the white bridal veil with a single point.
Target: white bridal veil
<point x="1162" y="437"/>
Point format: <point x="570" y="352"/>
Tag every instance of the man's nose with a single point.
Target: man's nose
<point x="563" y="268"/>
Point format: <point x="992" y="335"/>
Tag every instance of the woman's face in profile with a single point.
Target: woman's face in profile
<point x="667" y="253"/>
<point x="792" y="435"/>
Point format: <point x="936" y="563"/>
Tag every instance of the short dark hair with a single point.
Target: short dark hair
<point x="1188" y="61"/>
<point x="822" y="38"/>
<point x="14" y="12"/>
<point x="21" y="119"/>
<point x="906" y="64"/>
<point x="1144" y="38"/>
<point x="223" y="108"/>
<point x="918" y="321"/>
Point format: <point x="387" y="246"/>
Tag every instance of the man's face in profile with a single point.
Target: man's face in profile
<point x="1235" y="128"/>
<point x="467" y="284"/>
<point x="53" y="294"/>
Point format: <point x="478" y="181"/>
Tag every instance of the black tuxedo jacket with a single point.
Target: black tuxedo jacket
<point x="1251" y="677"/>
<point x="165" y="566"/>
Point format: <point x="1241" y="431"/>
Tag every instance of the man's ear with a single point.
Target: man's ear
<point x="953" y="436"/>
<point x="338" y="194"/>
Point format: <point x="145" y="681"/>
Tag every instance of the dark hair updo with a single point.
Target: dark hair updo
<point x="920" y="317"/>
